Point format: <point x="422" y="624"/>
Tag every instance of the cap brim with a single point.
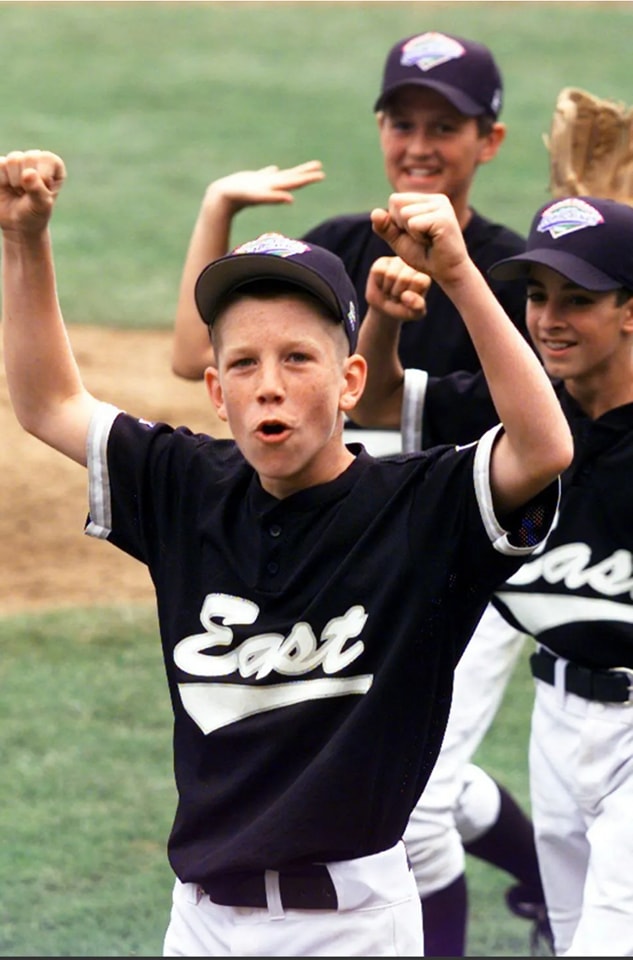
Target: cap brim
<point x="460" y="100"/>
<point x="224" y="276"/>
<point x="567" y="264"/>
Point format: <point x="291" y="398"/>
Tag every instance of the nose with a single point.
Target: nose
<point x="270" y="385"/>
<point x="545" y="322"/>
<point x="548" y="317"/>
<point x="419" y="141"/>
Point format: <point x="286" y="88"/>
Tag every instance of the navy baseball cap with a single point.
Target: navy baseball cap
<point x="461" y="70"/>
<point x="273" y="256"/>
<point x="587" y="239"/>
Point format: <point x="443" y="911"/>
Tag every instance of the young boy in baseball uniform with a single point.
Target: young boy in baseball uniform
<point x="312" y="600"/>
<point x="574" y="596"/>
<point x="437" y="115"/>
<point x="438" y="119"/>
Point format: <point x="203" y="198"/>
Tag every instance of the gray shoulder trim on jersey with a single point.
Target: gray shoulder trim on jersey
<point x="498" y="536"/>
<point x="414" y="395"/>
<point x="100" y="523"/>
<point x="483" y="453"/>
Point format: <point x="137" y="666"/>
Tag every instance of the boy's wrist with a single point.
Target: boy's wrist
<point x="461" y="280"/>
<point x="21" y="238"/>
<point x="216" y="203"/>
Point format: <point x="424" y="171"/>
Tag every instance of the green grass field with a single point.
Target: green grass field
<point x="87" y="794"/>
<point x="147" y="102"/>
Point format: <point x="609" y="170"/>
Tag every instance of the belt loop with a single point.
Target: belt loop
<point x="273" y="894"/>
<point x="560" y="667"/>
<point x="629" y="674"/>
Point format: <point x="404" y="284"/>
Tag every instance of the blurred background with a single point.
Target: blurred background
<point x="149" y="101"/>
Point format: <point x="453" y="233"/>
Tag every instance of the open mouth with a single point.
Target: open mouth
<point x="421" y="173"/>
<point x="557" y="346"/>
<point x="272" y="428"/>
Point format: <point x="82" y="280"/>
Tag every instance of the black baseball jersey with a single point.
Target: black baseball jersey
<point x="440" y="344"/>
<point x="576" y="595"/>
<point x="310" y="642"/>
<point x="456" y="409"/>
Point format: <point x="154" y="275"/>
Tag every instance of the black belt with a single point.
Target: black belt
<point x="308" y="887"/>
<point x="605" y="686"/>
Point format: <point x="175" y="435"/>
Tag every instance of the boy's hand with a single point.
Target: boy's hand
<point x="29" y="183"/>
<point x="423" y="230"/>
<point x="396" y="289"/>
<point x="248" y="188"/>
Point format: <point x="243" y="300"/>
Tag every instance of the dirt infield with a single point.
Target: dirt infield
<point x="45" y="558"/>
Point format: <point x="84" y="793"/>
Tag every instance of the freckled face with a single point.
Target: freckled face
<point x="430" y="147"/>
<point x="281" y="384"/>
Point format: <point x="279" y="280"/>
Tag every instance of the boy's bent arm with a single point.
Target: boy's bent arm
<point x="191" y="351"/>
<point x="536" y="445"/>
<point x="395" y="295"/>
<point x="381" y="402"/>
<point x="44" y="383"/>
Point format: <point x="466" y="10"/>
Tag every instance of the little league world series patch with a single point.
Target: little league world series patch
<point x="566" y="216"/>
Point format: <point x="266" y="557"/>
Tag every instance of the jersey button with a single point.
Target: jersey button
<point x="275" y="530"/>
<point x="272" y="566"/>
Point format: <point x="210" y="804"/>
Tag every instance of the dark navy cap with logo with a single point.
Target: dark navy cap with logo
<point x="276" y="257"/>
<point x="463" y="71"/>
<point x="586" y="239"/>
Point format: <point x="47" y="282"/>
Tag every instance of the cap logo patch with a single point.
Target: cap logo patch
<point x="273" y="243"/>
<point x="429" y="50"/>
<point x="351" y="315"/>
<point x="568" y="215"/>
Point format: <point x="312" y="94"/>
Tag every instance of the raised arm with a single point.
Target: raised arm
<point x="395" y="295"/>
<point x="44" y="383"/>
<point x="536" y="445"/>
<point x="223" y="199"/>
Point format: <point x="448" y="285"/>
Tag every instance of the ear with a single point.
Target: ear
<point x="355" y="378"/>
<point x="627" y="316"/>
<point x="491" y="142"/>
<point x="214" y="389"/>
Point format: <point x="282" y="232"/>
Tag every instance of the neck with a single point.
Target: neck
<point x="596" y="399"/>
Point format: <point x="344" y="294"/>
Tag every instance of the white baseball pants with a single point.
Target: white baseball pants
<point x="581" y="784"/>
<point x="459" y="802"/>
<point x="379" y="915"/>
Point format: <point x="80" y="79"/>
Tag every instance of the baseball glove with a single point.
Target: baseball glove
<point x="590" y="147"/>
